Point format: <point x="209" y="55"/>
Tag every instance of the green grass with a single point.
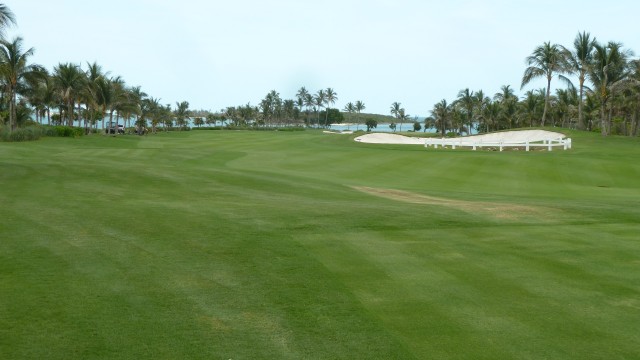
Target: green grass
<point x="256" y="245"/>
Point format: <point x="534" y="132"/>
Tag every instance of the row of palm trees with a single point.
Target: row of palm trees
<point x="608" y="67"/>
<point x="307" y="109"/>
<point x="85" y="96"/>
<point x="607" y="95"/>
<point x="322" y="99"/>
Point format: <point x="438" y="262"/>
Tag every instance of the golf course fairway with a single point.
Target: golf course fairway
<point x="304" y="245"/>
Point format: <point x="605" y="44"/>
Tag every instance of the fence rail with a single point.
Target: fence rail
<point x="501" y="144"/>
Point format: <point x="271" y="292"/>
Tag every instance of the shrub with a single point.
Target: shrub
<point x="64" y="131"/>
<point x="209" y="128"/>
<point x="29" y="133"/>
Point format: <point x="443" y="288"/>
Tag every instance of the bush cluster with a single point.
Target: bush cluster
<point x="64" y="131"/>
<point x="209" y="128"/>
<point x="35" y="132"/>
<point x="28" y="133"/>
<point x="256" y="128"/>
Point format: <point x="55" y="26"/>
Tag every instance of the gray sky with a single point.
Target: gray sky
<point x="221" y="53"/>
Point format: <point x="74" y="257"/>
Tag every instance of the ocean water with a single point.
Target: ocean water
<point x="384" y="127"/>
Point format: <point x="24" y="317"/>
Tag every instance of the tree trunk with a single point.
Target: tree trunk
<point x="603" y="119"/>
<point x="609" y="119"/>
<point x="546" y="100"/>
<point x="110" y="120"/>
<point x="581" y="123"/>
<point x="104" y="112"/>
<point x="634" y="123"/>
<point x="70" y="113"/>
<point x="12" y="111"/>
<point x="115" y="128"/>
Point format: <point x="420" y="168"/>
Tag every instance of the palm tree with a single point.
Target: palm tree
<point x="265" y="109"/>
<point x="530" y="106"/>
<point x="118" y="99"/>
<point x="14" y="72"/>
<point x="610" y="68"/>
<point x="68" y="80"/>
<point x="506" y="100"/>
<point x="545" y="61"/>
<point x="136" y="96"/>
<point x="271" y="107"/>
<point x="90" y="92"/>
<point x="429" y="123"/>
<point x="481" y="102"/>
<point x="349" y="108"/>
<point x="303" y="95"/>
<point x="42" y="96"/>
<point x="197" y="121"/>
<point x="182" y="113"/>
<point x="299" y="104"/>
<point x="359" y="106"/>
<point x="402" y="117"/>
<point x="441" y="113"/>
<point x="579" y="61"/>
<point x="288" y="110"/>
<point x="566" y="102"/>
<point x="129" y="105"/>
<point x="635" y="96"/>
<point x="395" y="111"/>
<point x="151" y="108"/>
<point x="308" y="103"/>
<point x="468" y="102"/>
<point x="104" y="94"/>
<point x="330" y="99"/>
<point x="319" y="100"/>
<point x="6" y="18"/>
<point x="491" y="115"/>
<point x="211" y="119"/>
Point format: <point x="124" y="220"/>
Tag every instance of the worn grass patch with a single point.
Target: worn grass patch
<point x="498" y="210"/>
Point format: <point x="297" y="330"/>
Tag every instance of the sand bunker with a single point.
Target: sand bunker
<point x="386" y="138"/>
<point x="520" y="138"/>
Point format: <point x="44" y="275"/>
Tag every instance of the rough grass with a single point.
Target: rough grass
<point x="250" y="245"/>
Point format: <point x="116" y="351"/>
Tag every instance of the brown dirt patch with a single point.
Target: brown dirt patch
<point x="506" y="211"/>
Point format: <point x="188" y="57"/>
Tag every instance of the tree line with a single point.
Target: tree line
<point x="80" y="96"/>
<point x="307" y="109"/>
<point x="606" y="97"/>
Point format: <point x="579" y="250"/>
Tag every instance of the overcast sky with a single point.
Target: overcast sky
<point x="221" y="53"/>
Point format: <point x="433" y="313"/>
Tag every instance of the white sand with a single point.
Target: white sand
<point x="387" y="138"/>
<point x="505" y="136"/>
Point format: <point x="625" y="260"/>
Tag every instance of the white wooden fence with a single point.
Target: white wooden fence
<point x="498" y="143"/>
